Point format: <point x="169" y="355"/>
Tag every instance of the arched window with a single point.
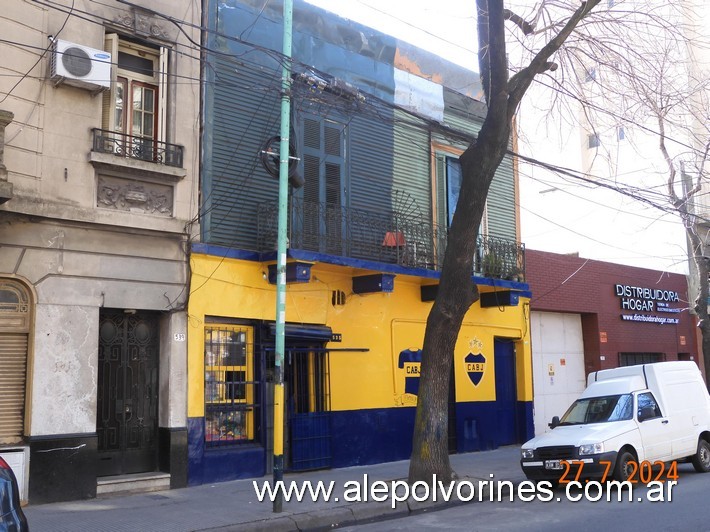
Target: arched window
<point x="14" y="333"/>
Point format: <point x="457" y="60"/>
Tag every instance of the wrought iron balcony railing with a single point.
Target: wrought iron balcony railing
<point x="391" y="237"/>
<point x="141" y="148"/>
<point x="499" y="258"/>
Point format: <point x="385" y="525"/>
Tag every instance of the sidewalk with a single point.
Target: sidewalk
<point x="233" y="505"/>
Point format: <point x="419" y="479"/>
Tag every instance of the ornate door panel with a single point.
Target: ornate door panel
<point x="127" y="414"/>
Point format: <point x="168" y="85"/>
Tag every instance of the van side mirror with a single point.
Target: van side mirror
<point x="555" y="422"/>
<point x="647" y="412"/>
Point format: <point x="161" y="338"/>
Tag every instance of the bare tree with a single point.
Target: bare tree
<point x="645" y="66"/>
<point x="457" y="292"/>
<point x="670" y="88"/>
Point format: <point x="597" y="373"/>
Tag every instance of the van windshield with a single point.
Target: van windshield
<point x="599" y="410"/>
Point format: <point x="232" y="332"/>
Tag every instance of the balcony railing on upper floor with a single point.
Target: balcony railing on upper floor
<point x="140" y="148"/>
<point x="389" y="237"/>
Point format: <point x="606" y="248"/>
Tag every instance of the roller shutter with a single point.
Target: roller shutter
<point x="13" y="374"/>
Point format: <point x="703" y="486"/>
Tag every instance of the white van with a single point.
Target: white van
<point x="624" y="418"/>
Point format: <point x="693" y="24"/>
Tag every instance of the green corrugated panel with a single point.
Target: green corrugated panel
<point x="384" y="154"/>
<point x="463" y="124"/>
<point x="462" y="113"/>
<point x="501" y="202"/>
<point x="389" y="162"/>
<point x="371" y="148"/>
<point x="465" y="115"/>
<point x="245" y="114"/>
<point x="412" y="164"/>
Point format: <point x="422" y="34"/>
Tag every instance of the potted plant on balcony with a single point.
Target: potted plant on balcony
<point x="514" y="274"/>
<point x="491" y="264"/>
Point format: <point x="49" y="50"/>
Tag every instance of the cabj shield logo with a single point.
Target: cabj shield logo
<point x="475" y="366"/>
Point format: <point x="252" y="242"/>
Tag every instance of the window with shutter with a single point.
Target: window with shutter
<point x="324" y="169"/>
<point x="14" y="329"/>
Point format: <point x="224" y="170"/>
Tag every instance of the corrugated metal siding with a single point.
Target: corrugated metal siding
<point x="384" y="154"/>
<point x="501" y="196"/>
<point x="13" y="375"/>
<point x="387" y="155"/>
<point x="501" y="202"/>
<point x="412" y="158"/>
<point x="463" y="124"/>
<point x="371" y="165"/>
<point x="245" y="114"/>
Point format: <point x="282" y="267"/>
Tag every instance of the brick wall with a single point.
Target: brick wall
<point x="567" y="283"/>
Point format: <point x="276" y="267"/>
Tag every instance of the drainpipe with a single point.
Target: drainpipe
<point x="279" y="405"/>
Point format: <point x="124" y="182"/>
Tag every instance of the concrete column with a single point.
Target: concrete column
<point x="5" y="187"/>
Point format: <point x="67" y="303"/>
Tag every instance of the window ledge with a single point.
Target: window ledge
<point x="135" y="167"/>
<point x="5" y="191"/>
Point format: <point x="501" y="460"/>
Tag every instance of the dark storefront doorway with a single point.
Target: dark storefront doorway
<point x="307" y="378"/>
<point x="127" y="412"/>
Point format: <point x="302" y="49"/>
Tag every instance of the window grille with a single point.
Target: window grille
<point x="632" y="359"/>
<point x="231" y="392"/>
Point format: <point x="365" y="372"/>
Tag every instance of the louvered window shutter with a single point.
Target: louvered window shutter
<point x="323" y="169"/>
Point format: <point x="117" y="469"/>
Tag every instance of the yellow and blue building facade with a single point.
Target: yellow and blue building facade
<point x="372" y="344"/>
<point x="377" y="126"/>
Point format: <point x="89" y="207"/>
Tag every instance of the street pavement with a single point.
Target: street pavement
<point x="234" y="505"/>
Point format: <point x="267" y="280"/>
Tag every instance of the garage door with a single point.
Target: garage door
<point x="558" y="364"/>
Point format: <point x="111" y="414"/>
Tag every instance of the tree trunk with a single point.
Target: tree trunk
<point x="701" y="302"/>
<point x="705" y="331"/>
<point x="457" y="292"/>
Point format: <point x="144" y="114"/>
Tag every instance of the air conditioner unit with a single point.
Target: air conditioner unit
<point x="80" y="66"/>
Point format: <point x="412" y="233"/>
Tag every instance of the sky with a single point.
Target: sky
<point x="446" y="27"/>
<point x="556" y="215"/>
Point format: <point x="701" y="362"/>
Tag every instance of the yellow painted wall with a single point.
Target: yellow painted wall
<point x="384" y="323"/>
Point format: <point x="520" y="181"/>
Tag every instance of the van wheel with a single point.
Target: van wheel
<point x="622" y="469"/>
<point x="701" y="459"/>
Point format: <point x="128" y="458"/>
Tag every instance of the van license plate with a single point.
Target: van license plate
<point x="553" y="464"/>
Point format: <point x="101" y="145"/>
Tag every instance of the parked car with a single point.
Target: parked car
<point x="627" y="418"/>
<point x="12" y="518"/>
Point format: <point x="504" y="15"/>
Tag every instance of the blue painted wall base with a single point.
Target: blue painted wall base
<point x="220" y="464"/>
<point x="360" y="437"/>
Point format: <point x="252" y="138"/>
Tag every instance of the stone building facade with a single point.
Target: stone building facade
<point x="98" y="183"/>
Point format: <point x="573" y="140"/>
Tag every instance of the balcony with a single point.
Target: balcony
<point x="138" y="148"/>
<point x="391" y="237"/>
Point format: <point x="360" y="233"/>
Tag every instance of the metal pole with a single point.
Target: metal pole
<point x="281" y="254"/>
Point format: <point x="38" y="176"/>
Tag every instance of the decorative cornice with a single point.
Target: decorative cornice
<point x="141" y="24"/>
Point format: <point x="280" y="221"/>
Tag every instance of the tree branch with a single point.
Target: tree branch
<point x="526" y="27"/>
<point x="493" y="59"/>
<point x="519" y="83"/>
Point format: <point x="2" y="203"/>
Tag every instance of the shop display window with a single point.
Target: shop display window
<point x="230" y="390"/>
